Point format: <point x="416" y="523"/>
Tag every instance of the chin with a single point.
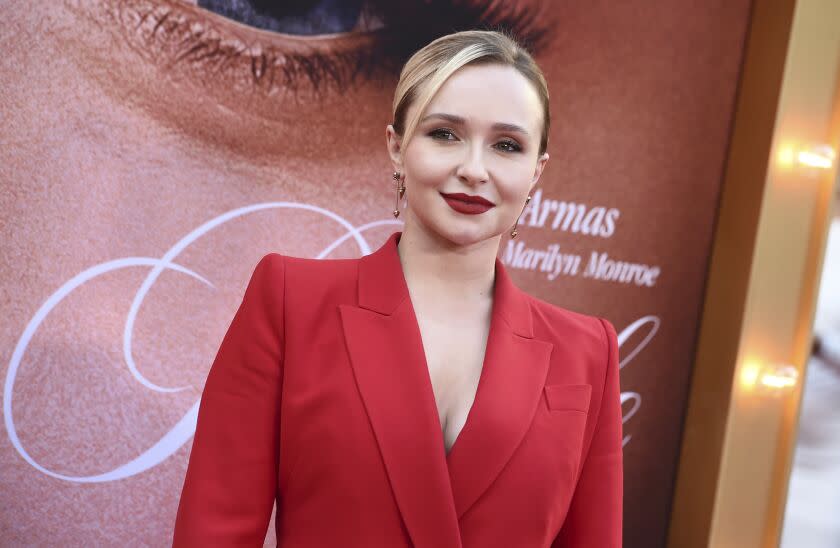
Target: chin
<point x="458" y="230"/>
<point x="465" y="235"/>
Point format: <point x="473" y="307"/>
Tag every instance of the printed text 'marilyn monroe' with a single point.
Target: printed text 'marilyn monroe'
<point x="600" y="266"/>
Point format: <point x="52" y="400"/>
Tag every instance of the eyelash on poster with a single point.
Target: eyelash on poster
<point x="194" y="40"/>
<point x="198" y="43"/>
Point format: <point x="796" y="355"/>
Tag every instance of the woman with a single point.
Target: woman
<point x="415" y="396"/>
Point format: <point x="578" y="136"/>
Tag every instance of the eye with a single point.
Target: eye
<point x="441" y="134"/>
<point x="297" y="17"/>
<point x="278" y="46"/>
<point x="510" y="146"/>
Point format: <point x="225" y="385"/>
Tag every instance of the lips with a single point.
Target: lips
<point x="466" y="204"/>
<point x="461" y="197"/>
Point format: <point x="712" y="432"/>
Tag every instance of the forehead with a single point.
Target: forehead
<point x="489" y="93"/>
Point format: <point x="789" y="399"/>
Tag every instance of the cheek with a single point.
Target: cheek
<point x="513" y="180"/>
<point x="427" y="167"/>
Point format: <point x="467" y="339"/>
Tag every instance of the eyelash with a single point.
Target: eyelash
<point x="516" y="148"/>
<point x="170" y="34"/>
<point x="188" y="38"/>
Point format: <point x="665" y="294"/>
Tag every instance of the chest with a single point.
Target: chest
<point x="454" y="355"/>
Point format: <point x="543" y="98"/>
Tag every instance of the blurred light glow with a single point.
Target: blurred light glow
<point x="779" y="376"/>
<point x="786" y="155"/>
<point x="768" y="378"/>
<point x="819" y="156"/>
<point x="822" y="157"/>
<point x="749" y="374"/>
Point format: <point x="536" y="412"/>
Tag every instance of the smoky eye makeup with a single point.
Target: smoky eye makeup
<point x="510" y="146"/>
<point x="283" y="47"/>
<point x="442" y="134"/>
<point x="449" y="135"/>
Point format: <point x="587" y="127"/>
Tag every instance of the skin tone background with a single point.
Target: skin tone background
<point x="116" y="143"/>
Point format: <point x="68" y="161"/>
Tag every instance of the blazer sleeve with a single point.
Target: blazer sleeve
<point x="231" y="480"/>
<point x="595" y="514"/>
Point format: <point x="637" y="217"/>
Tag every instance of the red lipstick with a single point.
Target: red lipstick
<point x="469" y="205"/>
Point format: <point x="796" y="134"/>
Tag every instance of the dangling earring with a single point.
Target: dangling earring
<point x="514" y="232"/>
<point x="400" y="192"/>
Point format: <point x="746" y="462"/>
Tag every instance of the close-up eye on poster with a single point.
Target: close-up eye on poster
<point x="419" y="273"/>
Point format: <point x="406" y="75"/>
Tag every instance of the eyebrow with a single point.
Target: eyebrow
<point x="501" y="126"/>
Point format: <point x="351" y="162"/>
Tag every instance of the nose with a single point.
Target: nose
<point x="471" y="170"/>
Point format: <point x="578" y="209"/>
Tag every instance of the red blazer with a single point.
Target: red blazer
<point x="320" y="399"/>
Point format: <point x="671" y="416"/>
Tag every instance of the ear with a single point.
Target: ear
<point x="394" y="144"/>
<point x="541" y="161"/>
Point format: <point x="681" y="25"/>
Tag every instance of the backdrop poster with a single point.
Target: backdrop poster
<point x="153" y="151"/>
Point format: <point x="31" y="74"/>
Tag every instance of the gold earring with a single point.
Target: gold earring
<point x="514" y="232"/>
<point x="400" y="192"/>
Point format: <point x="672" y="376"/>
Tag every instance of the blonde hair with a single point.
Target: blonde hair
<point x="426" y="71"/>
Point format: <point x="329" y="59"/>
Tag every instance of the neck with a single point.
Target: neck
<point x="434" y="266"/>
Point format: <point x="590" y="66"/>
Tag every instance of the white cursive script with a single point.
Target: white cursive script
<point x="625" y="334"/>
<point x="185" y="428"/>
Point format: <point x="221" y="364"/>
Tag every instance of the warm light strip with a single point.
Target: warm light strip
<point x="771" y="378"/>
<point x="813" y="159"/>
<point x="776" y="381"/>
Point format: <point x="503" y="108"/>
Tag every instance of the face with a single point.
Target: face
<point x="478" y="138"/>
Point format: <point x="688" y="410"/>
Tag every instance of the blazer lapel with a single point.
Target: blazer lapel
<point x="434" y="490"/>
<point x="386" y="353"/>
<point x="513" y="375"/>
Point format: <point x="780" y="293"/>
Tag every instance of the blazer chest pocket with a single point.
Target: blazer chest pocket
<point x="568" y="397"/>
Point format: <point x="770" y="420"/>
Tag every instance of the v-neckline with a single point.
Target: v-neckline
<point x="429" y="387"/>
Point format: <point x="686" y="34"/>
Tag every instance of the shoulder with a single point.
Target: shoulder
<point x="288" y="264"/>
<point x="590" y="334"/>
<point x="321" y="271"/>
<point x="308" y="275"/>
